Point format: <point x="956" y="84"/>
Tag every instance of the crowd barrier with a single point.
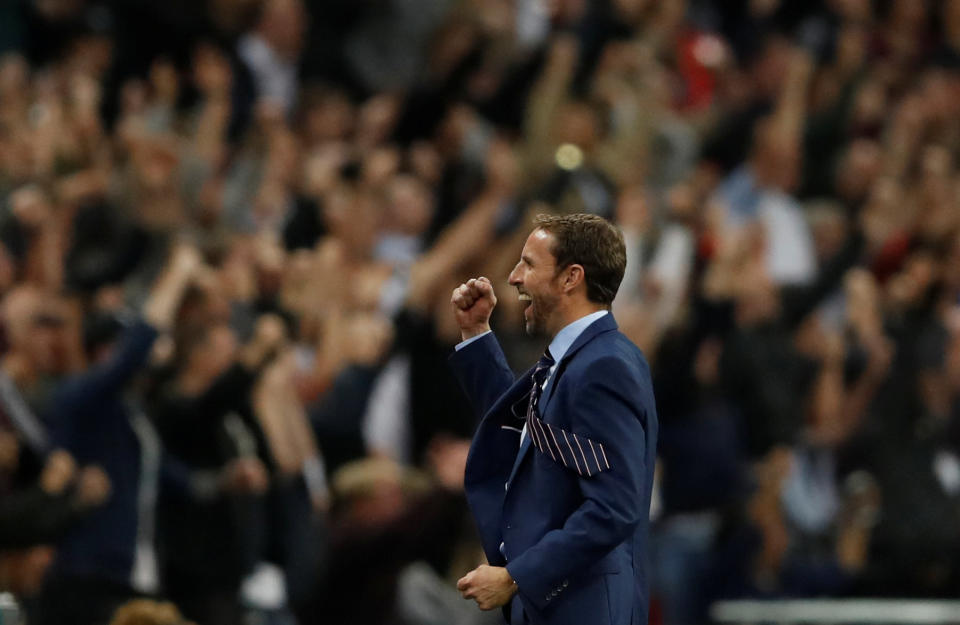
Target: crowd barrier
<point x="837" y="612"/>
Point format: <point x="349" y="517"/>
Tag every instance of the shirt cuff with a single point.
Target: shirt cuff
<point x="463" y="344"/>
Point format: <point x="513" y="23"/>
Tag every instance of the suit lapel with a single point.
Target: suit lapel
<point x="605" y="323"/>
<point x="505" y="402"/>
<point x="481" y="464"/>
<point x="601" y="325"/>
<point x="524" y="446"/>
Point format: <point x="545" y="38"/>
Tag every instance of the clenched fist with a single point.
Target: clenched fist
<point x="473" y="303"/>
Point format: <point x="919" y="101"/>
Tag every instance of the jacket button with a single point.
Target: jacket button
<point x="506" y="486"/>
<point x="547" y="598"/>
<point x="565" y="583"/>
<point x="554" y="593"/>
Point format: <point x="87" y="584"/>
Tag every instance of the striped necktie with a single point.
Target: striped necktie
<point x="577" y="453"/>
<point x="540" y="373"/>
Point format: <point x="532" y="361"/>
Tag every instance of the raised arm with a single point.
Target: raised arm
<point x="137" y="340"/>
<point x="480" y="365"/>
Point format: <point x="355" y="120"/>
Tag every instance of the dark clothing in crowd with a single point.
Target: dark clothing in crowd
<point x="337" y="417"/>
<point x="209" y="544"/>
<point x="366" y="557"/>
<point x="92" y="419"/>
<point x="32" y="516"/>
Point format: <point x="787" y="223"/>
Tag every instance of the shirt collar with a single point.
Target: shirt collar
<point x="565" y="337"/>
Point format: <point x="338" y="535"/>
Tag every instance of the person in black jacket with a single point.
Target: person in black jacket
<point x="34" y="516"/>
<point x="204" y="417"/>
<point x="110" y="557"/>
<point x="42" y="513"/>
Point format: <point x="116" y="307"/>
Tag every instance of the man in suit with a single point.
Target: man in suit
<point x="561" y="467"/>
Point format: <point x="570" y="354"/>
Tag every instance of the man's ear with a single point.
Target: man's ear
<point x="573" y="277"/>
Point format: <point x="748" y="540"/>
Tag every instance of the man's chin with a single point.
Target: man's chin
<point x="533" y="328"/>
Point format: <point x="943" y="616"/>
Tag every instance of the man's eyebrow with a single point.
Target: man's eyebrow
<point x="526" y="259"/>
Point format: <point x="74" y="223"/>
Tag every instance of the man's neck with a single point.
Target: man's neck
<point x="564" y="339"/>
<point x="576" y="313"/>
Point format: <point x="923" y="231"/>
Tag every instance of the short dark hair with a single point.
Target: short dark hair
<point x="592" y="242"/>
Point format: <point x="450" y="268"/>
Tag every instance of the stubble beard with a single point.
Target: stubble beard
<point x="537" y="324"/>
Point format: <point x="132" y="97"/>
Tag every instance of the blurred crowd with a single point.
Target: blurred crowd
<point x="229" y="231"/>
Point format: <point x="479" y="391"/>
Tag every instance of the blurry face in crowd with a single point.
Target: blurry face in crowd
<point x="538" y="283"/>
<point x="383" y="504"/>
<point x="829" y="229"/>
<point x="771" y="66"/>
<point x="34" y="326"/>
<point x="411" y="207"/>
<point x="501" y="165"/>
<point x="566" y="11"/>
<point x="329" y="119"/>
<point x="92" y="54"/>
<point x="58" y="9"/>
<point x="776" y="160"/>
<point x="858" y="169"/>
<point x="908" y="13"/>
<point x="215" y="353"/>
<point x="45" y="332"/>
<point x="577" y="124"/>
<point x="910" y="286"/>
<point x="352" y="218"/>
<point x="283" y="25"/>
<point x="852" y="9"/>
<point x="14" y="76"/>
<point x="758" y="301"/>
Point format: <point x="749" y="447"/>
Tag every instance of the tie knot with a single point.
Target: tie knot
<point x="546" y="360"/>
<point x="543" y="366"/>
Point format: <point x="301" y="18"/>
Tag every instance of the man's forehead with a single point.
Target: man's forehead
<point x="540" y="241"/>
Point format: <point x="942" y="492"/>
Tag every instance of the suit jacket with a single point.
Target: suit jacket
<point x="575" y="544"/>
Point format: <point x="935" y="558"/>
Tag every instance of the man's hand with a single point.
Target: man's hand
<point x="58" y="472"/>
<point x="183" y="267"/>
<point x="490" y="586"/>
<point x="269" y="337"/>
<point x="93" y="487"/>
<point x="185" y="259"/>
<point x="31" y="207"/>
<point x="473" y="303"/>
<point x="244" y="475"/>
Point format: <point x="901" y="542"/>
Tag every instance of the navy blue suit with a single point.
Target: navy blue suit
<point x="575" y="544"/>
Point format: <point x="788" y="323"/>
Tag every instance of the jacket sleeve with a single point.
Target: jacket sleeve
<point x="109" y="377"/>
<point x="32" y="517"/>
<point x="483" y="372"/>
<point x="607" y="407"/>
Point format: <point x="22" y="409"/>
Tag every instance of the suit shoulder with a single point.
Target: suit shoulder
<point x="612" y="348"/>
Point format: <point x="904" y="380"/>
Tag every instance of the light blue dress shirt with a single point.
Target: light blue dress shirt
<point x="558" y="346"/>
<point x="558" y="349"/>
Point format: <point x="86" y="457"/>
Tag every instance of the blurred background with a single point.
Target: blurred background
<point x="229" y="231"/>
